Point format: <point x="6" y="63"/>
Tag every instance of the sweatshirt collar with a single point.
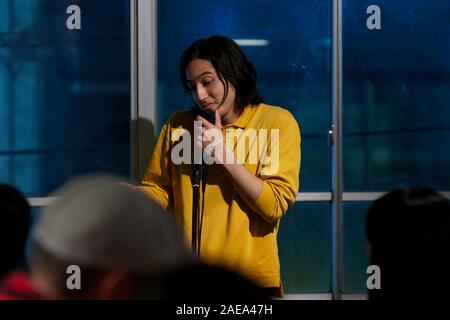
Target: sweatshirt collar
<point x="244" y="118"/>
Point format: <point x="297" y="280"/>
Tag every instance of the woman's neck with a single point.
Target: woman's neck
<point x="230" y="117"/>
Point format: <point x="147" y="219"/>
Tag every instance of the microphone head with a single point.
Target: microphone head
<point x="207" y="114"/>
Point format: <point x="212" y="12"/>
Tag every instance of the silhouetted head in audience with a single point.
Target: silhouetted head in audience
<point x="15" y="221"/>
<point x="205" y="283"/>
<point x="409" y="237"/>
<point x="119" y="238"/>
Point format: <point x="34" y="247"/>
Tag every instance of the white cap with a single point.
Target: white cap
<point x="97" y="221"/>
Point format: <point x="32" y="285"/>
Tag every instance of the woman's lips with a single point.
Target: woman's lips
<point x="209" y="106"/>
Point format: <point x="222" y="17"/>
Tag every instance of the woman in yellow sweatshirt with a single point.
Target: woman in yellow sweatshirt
<point x="255" y="153"/>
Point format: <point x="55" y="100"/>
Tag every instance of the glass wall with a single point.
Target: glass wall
<point x="305" y="248"/>
<point x="396" y="81"/>
<point x="64" y="91"/>
<point x="395" y="108"/>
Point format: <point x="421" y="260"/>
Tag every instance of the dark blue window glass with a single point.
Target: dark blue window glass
<point x="64" y="94"/>
<point x="304" y="242"/>
<point x="396" y="115"/>
<point x="396" y="95"/>
<point x="356" y="249"/>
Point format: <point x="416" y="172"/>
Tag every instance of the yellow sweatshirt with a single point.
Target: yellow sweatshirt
<point x="235" y="234"/>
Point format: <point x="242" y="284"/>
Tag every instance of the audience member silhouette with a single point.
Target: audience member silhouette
<point x="101" y="239"/>
<point x="206" y="283"/>
<point x="15" y="221"/>
<point x="409" y="237"/>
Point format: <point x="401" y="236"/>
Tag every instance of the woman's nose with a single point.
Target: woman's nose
<point x="200" y="93"/>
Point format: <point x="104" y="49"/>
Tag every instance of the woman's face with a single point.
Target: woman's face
<point x="208" y="91"/>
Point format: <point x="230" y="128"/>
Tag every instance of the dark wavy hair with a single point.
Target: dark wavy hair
<point x="231" y="65"/>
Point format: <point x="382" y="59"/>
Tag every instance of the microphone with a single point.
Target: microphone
<point x="210" y="116"/>
<point x="207" y="114"/>
<point x="199" y="170"/>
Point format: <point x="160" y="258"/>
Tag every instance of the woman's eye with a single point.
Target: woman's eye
<point x="205" y="83"/>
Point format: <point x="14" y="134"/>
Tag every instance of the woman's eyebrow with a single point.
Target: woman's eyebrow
<point x="200" y="75"/>
<point x="206" y="72"/>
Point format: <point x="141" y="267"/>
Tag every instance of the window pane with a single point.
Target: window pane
<point x="356" y="254"/>
<point x="304" y="241"/>
<point x="396" y="97"/>
<point x="293" y="68"/>
<point x="64" y="94"/>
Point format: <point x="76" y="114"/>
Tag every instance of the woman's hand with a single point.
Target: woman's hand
<point x="212" y="142"/>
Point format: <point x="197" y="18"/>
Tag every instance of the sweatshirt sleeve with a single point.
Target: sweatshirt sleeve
<point x="157" y="179"/>
<point x="280" y="181"/>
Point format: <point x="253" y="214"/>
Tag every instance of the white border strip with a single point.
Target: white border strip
<point x="252" y="42"/>
<point x="40" y="202"/>
<point x="146" y="86"/>
<point x="308" y="296"/>
<point x="314" y="196"/>
<point x="301" y="197"/>
<point x="445" y="194"/>
<point x="337" y="212"/>
<point x="354" y="296"/>
<point x="134" y="112"/>
<point x="362" y="196"/>
<point x="147" y="59"/>
<point x="324" y="296"/>
<point x="372" y="196"/>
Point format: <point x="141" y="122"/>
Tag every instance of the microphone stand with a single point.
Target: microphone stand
<point x="199" y="170"/>
<point x="195" y="181"/>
